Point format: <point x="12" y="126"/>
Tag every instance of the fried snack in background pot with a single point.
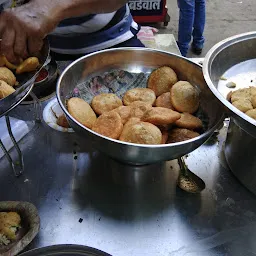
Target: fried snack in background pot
<point x="243" y="104"/>
<point x="251" y="113"/>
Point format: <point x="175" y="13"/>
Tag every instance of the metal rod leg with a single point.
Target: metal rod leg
<point x="8" y="157"/>
<point x="16" y="146"/>
<point x="37" y="106"/>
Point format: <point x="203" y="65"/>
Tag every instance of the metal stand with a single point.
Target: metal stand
<point x="18" y="168"/>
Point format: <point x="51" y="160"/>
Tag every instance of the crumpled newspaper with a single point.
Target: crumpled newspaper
<point x="114" y="81"/>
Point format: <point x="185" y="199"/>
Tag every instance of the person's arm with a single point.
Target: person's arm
<point x="23" y="29"/>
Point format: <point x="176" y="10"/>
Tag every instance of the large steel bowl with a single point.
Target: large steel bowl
<point x="138" y="60"/>
<point x="240" y="49"/>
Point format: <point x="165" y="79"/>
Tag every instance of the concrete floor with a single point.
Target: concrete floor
<point x="224" y="18"/>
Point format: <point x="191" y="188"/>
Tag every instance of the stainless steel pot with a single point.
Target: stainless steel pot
<point x="138" y="60"/>
<point x="239" y="152"/>
<point x="222" y="57"/>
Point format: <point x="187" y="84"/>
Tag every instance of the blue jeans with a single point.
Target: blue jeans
<point x="191" y="22"/>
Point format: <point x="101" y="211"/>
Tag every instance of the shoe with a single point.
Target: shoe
<point x="196" y="50"/>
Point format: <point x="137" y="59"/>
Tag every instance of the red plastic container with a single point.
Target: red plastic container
<point x="149" y="11"/>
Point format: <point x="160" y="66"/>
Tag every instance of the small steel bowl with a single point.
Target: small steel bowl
<point x="138" y="60"/>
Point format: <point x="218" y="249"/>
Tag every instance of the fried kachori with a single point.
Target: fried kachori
<point x="253" y="101"/>
<point x="141" y="133"/>
<point x="139" y="94"/>
<point x="160" y="116"/>
<point x="105" y="102"/>
<point x="124" y="112"/>
<point x="5" y="89"/>
<point x="241" y="94"/>
<point x="81" y="111"/>
<point x="243" y="104"/>
<point x="181" y="134"/>
<point x="165" y="136"/>
<point x="109" y="124"/>
<point x="164" y="101"/>
<point x="189" y="121"/>
<point x="7" y="76"/>
<point x="251" y="113"/>
<point x="28" y="65"/>
<point x="139" y="108"/>
<point x="162" y="79"/>
<point x="185" y="97"/>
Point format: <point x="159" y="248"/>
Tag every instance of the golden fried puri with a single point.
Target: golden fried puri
<point x="132" y="120"/>
<point x="7" y="76"/>
<point x="164" y="101"/>
<point x="5" y="89"/>
<point x="141" y="133"/>
<point x="81" y="111"/>
<point x="160" y="116"/>
<point x="109" y="124"/>
<point x="161" y="80"/>
<point x="28" y="65"/>
<point x="139" y="108"/>
<point x="139" y="94"/>
<point x="105" y="102"/>
<point x="124" y="112"/>
<point x="189" y="121"/>
<point x="181" y="134"/>
<point x="251" y="113"/>
<point x="185" y="97"/>
<point x="243" y="104"/>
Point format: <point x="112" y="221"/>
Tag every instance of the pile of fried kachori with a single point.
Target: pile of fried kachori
<point x="8" y="79"/>
<point x="244" y="100"/>
<point x="159" y="114"/>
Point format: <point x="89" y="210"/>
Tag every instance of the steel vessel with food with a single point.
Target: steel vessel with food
<point x="100" y="114"/>
<point x="16" y="81"/>
<point x="230" y="72"/>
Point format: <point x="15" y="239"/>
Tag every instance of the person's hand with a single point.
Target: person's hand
<point x="22" y="31"/>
